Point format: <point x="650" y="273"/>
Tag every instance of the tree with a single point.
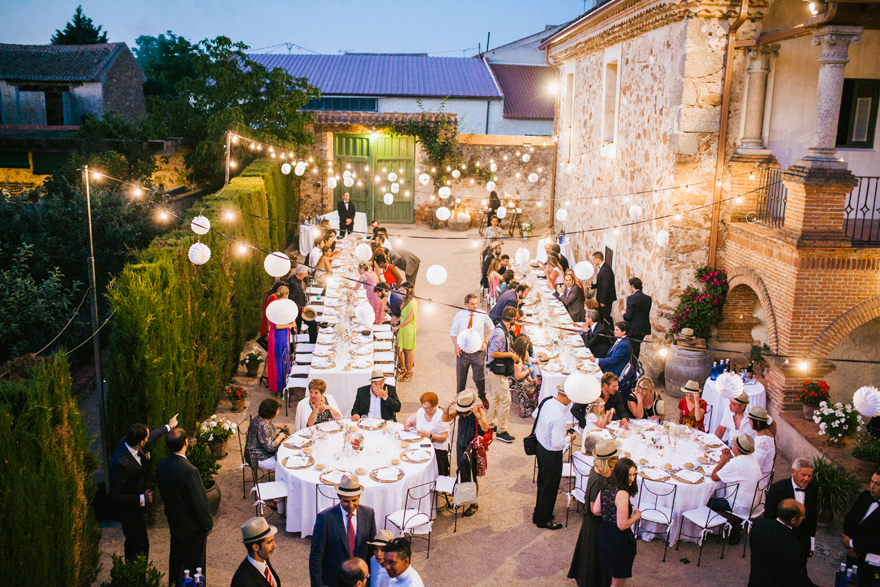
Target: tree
<point x="166" y="61"/>
<point x="79" y="31"/>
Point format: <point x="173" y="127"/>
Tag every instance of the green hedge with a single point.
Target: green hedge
<point x="49" y="536"/>
<point x="179" y="329"/>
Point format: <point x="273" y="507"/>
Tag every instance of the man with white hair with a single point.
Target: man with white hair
<point x="797" y="487"/>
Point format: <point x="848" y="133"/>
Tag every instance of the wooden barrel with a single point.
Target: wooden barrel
<point x="684" y="364"/>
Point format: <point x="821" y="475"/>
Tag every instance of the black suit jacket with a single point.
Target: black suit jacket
<point x="297" y="294"/>
<point x="782" y="490"/>
<point x="330" y="543"/>
<point x="604" y="286"/>
<point x="574" y="302"/>
<point x="778" y="559"/>
<point x="186" y="503"/>
<point x="345" y="215"/>
<point x="390" y="406"/>
<point x="638" y="314"/>
<point x="247" y="575"/>
<point x="865" y="535"/>
<point x="598" y="342"/>
<point x="128" y="478"/>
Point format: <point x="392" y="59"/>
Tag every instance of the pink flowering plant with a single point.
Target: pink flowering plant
<point x="700" y="308"/>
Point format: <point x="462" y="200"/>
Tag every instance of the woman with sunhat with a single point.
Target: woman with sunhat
<point x="472" y="422"/>
<point x="692" y="407"/>
<point x="765" y="442"/>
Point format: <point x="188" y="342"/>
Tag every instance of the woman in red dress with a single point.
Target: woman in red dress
<point x="692" y="407"/>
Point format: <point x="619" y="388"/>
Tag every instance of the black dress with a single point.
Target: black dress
<point x="585" y="566"/>
<point x="617" y="548"/>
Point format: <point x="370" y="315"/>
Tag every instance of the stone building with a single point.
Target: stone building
<point x="788" y="204"/>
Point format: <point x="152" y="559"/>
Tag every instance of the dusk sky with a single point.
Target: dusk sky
<point x="438" y="27"/>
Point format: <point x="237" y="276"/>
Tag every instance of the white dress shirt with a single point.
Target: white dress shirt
<point x="378" y="575"/>
<point x="314" y="255"/>
<point x="550" y="429"/>
<point x="375" y="406"/>
<point x="746" y="471"/>
<point x="801" y="496"/>
<point x="408" y="578"/>
<point x="354" y="523"/>
<point x="745" y="426"/>
<point x="481" y="323"/>
<point x="261" y="567"/>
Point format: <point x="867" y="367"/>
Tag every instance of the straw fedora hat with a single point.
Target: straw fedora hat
<point x="691" y="387"/>
<point x="606" y="450"/>
<point x="745" y="444"/>
<point x="760" y="414"/>
<point x="349" y="486"/>
<point x="309" y="314"/>
<point x="383" y="537"/>
<point x="256" y="529"/>
<point x="687" y="334"/>
<point x="742" y="398"/>
<point x="465" y="401"/>
<point x="377" y="375"/>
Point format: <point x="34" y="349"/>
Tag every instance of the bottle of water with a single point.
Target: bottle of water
<point x="848" y="580"/>
<point x="854" y="581"/>
<point x="188" y="582"/>
<point x="841" y="576"/>
<point x="198" y="578"/>
<point x="714" y="374"/>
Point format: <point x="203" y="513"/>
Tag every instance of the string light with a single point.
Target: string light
<point x="138" y="191"/>
<point x="242" y="249"/>
<point x="803" y="365"/>
<point x="230" y="215"/>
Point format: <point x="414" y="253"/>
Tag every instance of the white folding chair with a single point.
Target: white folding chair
<point x="271" y="491"/>
<point x="707" y="519"/>
<point x="383" y="357"/>
<point x="381" y="328"/>
<point x="298" y="338"/>
<point x="314" y="290"/>
<point x="303" y="358"/>
<point x="759" y="501"/>
<point x="382" y="345"/>
<point x="446" y="484"/>
<point x="653" y="492"/>
<point x="411" y="519"/>
<point x="383" y="335"/>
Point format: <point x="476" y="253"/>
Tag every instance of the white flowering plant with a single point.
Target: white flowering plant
<point x="216" y="429"/>
<point x="837" y="421"/>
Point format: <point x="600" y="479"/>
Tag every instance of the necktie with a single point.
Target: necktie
<point x="800" y="490"/>
<point x="471" y="321"/>
<point x="269" y="577"/>
<point x="350" y="537"/>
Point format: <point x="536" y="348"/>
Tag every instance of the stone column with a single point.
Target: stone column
<point x="758" y="69"/>
<point x="835" y="41"/>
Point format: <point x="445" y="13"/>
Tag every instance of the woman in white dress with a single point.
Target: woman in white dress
<point x="428" y="422"/>
<point x="765" y="441"/>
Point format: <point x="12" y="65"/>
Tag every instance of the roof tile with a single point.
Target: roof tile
<point x="63" y="63"/>
<point x="526" y="90"/>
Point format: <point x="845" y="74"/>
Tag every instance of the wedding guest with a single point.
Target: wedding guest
<point x="406" y="331"/>
<point x="550" y="431"/>
<point x="496" y="269"/>
<point x="553" y="271"/>
<point x="617" y="544"/>
<point x="407" y="263"/>
<point x="506" y="280"/>
<point x="263" y="436"/>
<point x="620" y="353"/>
<point x="493" y="254"/>
<point x="586" y="567"/>
<point x="525" y="386"/>
<point x="376" y="400"/>
<point x="509" y="299"/>
<point x="594" y="333"/>
<point x="644" y="401"/>
<point x="606" y="293"/>
<point x="324" y="267"/>
<point x="797" y="487"/>
<point x="572" y="296"/>
<point x="500" y="353"/>
<point x="317" y="401"/>
<point x="255" y="570"/>
<point x="765" y="442"/>
<point x="278" y="363"/>
<point x="555" y="248"/>
<point x="737" y="465"/>
<point x="471" y="358"/>
<point x="269" y="297"/>
<point x="368" y="279"/>
<point x="297" y="293"/>
<point x="388" y="272"/>
<point x="638" y="314"/>
<point x="378" y="575"/>
<point x="692" y="408"/>
<point x="427" y="422"/>
<point x="397" y="563"/>
<point x="778" y="559"/>
<point x="492" y="233"/>
<point x="861" y="530"/>
<point x="472" y="422"/>
<point x="735" y="420"/>
<point x="611" y="400"/>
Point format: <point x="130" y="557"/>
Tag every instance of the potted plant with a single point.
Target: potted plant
<point x="526" y="228"/>
<point x="218" y="432"/>
<point x="251" y="362"/>
<point x="200" y="455"/>
<point x="837" y="489"/>
<point x="135" y="573"/>
<point x="812" y="395"/>
<point x="236" y="395"/>
<point x="757" y="359"/>
<point x="866" y="456"/>
<point x="837" y="422"/>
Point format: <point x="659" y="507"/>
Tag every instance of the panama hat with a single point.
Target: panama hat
<point x="742" y="398"/>
<point x="758" y="413"/>
<point x="745" y="444"/>
<point x="606" y="450"/>
<point x="349" y="486"/>
<point x="383" y="537"/>
<point x="256" y="529"/>
<point x="377" y="375"/>
<point x="465" y="401"/>
<point x="309" y="314"/>
<point x="691" y="387"/>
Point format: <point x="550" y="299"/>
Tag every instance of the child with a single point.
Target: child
<point x="378" y="575"/>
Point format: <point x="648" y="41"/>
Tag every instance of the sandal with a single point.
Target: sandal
<point x="471" y="510"/>
<point x="407" y="377"/>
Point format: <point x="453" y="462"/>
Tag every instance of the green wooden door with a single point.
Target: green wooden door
<point x="353" y="153"/>
<point x="395" y="154"/>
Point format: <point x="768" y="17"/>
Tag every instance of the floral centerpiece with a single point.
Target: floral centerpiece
<point x="837" y="422"/>
<point x="216" y="432"/>
<point x="812" y="395"/>
<point x="236" y="395"/>
<point x="353" y="441"/>
<point x="251" y="362"/>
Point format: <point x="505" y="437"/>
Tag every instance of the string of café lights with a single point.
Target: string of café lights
<point x="802" y="364"/>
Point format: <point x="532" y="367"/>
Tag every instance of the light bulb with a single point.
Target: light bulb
<point x="138" y="191"/>
<point x="366" y="167"/>
<point x="752" y="175"/>
<point x="229" y="215"/>
<point x="399" y="241"/>
<point x="96" y="176"/>
<point x="664" y="351"/>
<point x="163" y="215"/>
<point x="232" y="165"/>
<point x="242" y="249"/>
<point x="234" y="139"/>
<point x="802" y="365"/>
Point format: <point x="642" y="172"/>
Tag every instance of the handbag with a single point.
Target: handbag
<point x="530" y="442"/>
<point x="465" y="492"/>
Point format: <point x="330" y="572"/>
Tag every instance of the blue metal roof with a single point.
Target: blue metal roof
<point x="389" y="75"/>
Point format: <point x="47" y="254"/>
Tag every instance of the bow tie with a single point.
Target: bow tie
<point x="799" y="489"/>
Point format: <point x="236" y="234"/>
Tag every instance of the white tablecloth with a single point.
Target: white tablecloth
<point x="360" y="221"/>
<point x="567" y="252"/>
<point x="307" y="235"/>
<point x="754" y="389"/>
<point x="384" y="498"/>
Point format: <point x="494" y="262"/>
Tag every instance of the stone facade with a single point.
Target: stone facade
<point x="123" y="89"/>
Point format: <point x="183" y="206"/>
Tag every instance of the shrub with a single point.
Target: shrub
<point x="868" y="449"/>
<point x="700" y="309"/>
<point x="838" y="487"/>
<point x="137" y="573"/>
<point x="837" y="421"/>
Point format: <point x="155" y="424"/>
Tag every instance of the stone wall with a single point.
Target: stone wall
<point x="123" y="89"/>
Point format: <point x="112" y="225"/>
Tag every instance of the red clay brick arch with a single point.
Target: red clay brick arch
<point x="749" y="277"/>
<point x="829" y="338"/>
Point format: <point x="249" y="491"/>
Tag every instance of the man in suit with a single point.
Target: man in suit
<point x="861" y="530"/>
<point x="255" y="570"/>
<point x="341" y="532"/>
<point x="407" y="262"/>
<point x="494" y="252"/>
<point x="797" y="487"/>
<point x="376" y="400"/>
<point x="620" y="353"/>
<point x="606" y="294"/>
<point x="297" y="293"/>
<point x="778" y="559"/>
<point x="595" y="335"/>
<point x="186" y="507"/>
<point x="638" y="314"/>
<point x="346" y="215"/>
<point x="511" y="298"/>
<point x="128" y="490"/>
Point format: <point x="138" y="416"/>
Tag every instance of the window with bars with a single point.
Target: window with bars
<point x="858" y="113"/>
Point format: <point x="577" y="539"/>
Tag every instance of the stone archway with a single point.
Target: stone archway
<point x="835" y="332"/>
<point x="746" y="289"/>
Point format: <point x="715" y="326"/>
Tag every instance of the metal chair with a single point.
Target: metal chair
<point x="411" y="518"/>
<point x="245" y="458"/>
<point x="759" y="501"/>
<point x="270" y="491"/>
<point x="446" y="484"/>
<point x="578" y="491"/>
<point x="327" y="492"/>
<point x="652" y="492"/>
<point x="708" y="519"/>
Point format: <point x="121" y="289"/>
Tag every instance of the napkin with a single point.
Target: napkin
<point x="689" y="476"/>
<point x="654" y="474"/>
<point x="328" y="426"/>
<point x="371" y="422"/>
<point x="296" y="441"/>
<point x="409" y="435"/>
<point x="707" y="470"/>
<point x="388" y="474"/>
<point x="334" y="476"/>
<point x="296" y="461"/>
<point x="326" y="339"/>
<point x="362" y="364"/>
<point x="419" y="455"/>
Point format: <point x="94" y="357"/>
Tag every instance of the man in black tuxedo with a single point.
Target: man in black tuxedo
<point x="797" y="487"/>
<point x="128" y="488"/>
<point x="341" y="532"/>
<point x="606" y="294"/>
<point x="376" y="400"/>
<point x="346" y="215"/>
<point x="638" y="314"/>
<point x="256" y="570"/>
<point x="297" y="293"/>
<point x="778" y="559"/>
<point x="595" y="335"/>
<point x="186" y="507"/>
<point x="861" y="531"/>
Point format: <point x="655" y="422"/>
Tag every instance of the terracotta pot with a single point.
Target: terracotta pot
<point x="824" y="518"/>
<point x="808" y="412"/>
<point x="218" y="449"/>
<point x="864" y="469"/>
<point x="836" y="442"/>
<point x="214" y="498"/>
<point x="252" y="369"/>
<point x="237" y="405"/>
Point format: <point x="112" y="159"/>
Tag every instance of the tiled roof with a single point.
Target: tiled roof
<point x="376" y="118"/>
<point x="389" y="75"/>
<point x="57" y="63"/>
<point x="526" y="90"/>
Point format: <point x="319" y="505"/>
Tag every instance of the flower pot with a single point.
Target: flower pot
<point x="808" y="412"/>
<point x="824" y="518"/>
<point x="836" y="441"/>
<point x="213" y="498"/>
<point x="864" y="469"/>
<point x="237" y="405"/>
<point x="218" y="449"/>
<point x="252" y="369"/>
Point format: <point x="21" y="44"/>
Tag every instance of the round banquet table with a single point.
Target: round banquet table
<point x="688" y="496"/>
<point x="720" y="404"/>
<point x="383" y="497"/>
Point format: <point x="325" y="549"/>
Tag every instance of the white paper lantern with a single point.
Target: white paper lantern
<point x="635" y="211"/>
<point x="436" y="275"/>
<point x="662" y="238"/>
<point x="392" y="176"/>
<point x="444" y="192"/>
<point x="388" y="199"/>
<point x="200" y="225"/>
<point x="729" y="385"/>
<point x="582" y="388"/>
<point x="199" y="254"/>
<point x="501" y="212"/>
<point x="526" y="158"/>
<point x="424" y="179"/>
<point x="533" y="177"/>
<point x="493" y="168"/>
<point x="285" y="169"/>
<point x="867" y="401"/>
<point x="331" y="182"/>
<point x="395" y="187"/>
<point x="347" y="182"/>
<point x="365" y="314"/>
<point x="363" y="252"/>
<point x="300" y="168"/>
<point x="346" y="174"/>
<point x="277" y="264"/>
<point x="443" y="213"/>
<point x="470" y="340"/>
<point x="561" y="214"/>
<point x="456" y="173"/>
<point x="282" y="311"/>
<point x="522" y="255"/>
<point x="584" y="270"/>
<point x="490" y="186"/>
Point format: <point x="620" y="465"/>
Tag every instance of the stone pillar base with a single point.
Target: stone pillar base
<point x="815" y="207"/>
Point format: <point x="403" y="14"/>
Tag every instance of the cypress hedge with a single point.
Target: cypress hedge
<point x="179" y="329"/>
<point x="50" y="536"/>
